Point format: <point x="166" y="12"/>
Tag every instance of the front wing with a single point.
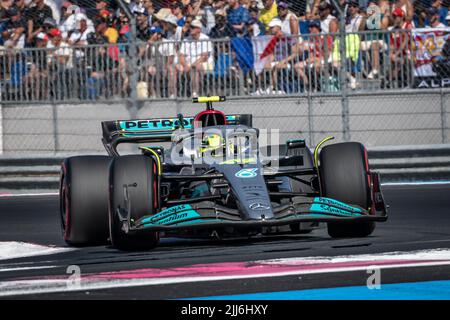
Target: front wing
<point x="208" y="214"/>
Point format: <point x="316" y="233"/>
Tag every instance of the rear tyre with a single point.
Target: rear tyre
<point x="83" y="195"/>
<point x="138" y="172"/>
<point x="344" y="177"/>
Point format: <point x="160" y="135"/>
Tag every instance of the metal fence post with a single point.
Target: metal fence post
<point x="55" y="128"/>
<point x="443" y="118"/>
<point x="342" y="71"/>
<point x="132" y="59"/>
<point x="310" y="119"/>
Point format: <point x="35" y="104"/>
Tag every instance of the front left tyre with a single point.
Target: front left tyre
<point x="134" y="188"/>
<point x="83" y="198"/>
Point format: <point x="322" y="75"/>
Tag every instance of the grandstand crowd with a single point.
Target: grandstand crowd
<point x="305" y="32"/>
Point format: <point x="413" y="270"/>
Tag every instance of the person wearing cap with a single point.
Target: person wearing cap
<point x="433" y="18"/>
<point x="400" y="22"/>
<point x="269" y="12"/>
<point x="60" y="57"/>
<point x="288" y="19"/>
<point x="172" y="31"/>
<point x="84" y="27"/>
<point x="315" y="52"/>
<point x="14" y="33"/>
<point x="399" y="44"/>
<point x="69" y="24"/>
<point x="355" y="21"/>
<point x="142" y="26"/>
<point x="237" y="16"/>
<point x="222" y="29"/>
<point x="195" y="55"/>
<point x="36" y="17"/>
<point x="255" y="28"/>
<point x="149" y="60"/>
<point x="64" y="14"/>
<point x="281" y="58"/>
<point x="177" y="10"/>
<point x="328" y="22"/>
<point x="36" y="79"/>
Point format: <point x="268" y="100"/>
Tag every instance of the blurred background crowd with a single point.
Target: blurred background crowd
<point x="187" y="28"/>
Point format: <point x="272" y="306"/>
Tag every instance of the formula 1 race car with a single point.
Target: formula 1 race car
<point x="217" y="179"/>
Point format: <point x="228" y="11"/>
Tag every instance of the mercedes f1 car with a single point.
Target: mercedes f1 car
<point x="215" y="179"/>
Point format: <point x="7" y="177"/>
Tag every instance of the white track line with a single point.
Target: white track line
<point x="14" y="249"/>
<point x="64" y="284"/>
<point x="26" y="268"/>
<point x="13" y="195"/>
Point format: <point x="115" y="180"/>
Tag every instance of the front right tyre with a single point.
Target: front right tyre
<point x="344" y="175"/>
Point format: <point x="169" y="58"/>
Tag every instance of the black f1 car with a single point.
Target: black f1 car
<point x="216" y="179"/>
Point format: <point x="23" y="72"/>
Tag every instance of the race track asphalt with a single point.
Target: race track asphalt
<point x="419" y="219"/>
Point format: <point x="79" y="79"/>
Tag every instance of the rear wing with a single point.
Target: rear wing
<point x="152" y="130"/>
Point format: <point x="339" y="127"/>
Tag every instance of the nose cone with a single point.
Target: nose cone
<point x="260" y="210"/>
<point x="249" y="187"/>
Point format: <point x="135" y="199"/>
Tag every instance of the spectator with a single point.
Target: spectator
<point x="148" y="5"/>
<point x="49" y="24"/>
<point x="442" y="64"/>
<point x="150" y="59"/>
<point x="177" y="10"/>
<point x="64" y="15"/>
<point x="316" y="52"/>
<point x="167" y="49"/>
<point x="237" y="17"/>
<point x="442" y="11"/>
<point x="310" y="10"/>
<point x="207" y="11"/>
<point x="222" y="29"/>
<point x="142" y="26"/>
<point x="61" y="55"/>
<point x="354" y="19"/>
<point x="14" y="33"/>
<point x="22" y="6"/>
<point x="328" y="22"/>
<point x="433" y="18"/>
<point x="254" y="15"/>
<point x="399" y="46"/>
<point x="407" y="7"/>
<point x="255" y="28"/>
<point x="69" y="24"/>
<point x="281" y="57"/>
<point x="102" y="69"/>
<point x="187" y="26"/>
<point x="100" y="5"/>
<point x="375" y="21"/>
<point x="36" y="79"/>
<point x="36" y="17"/>
<point x="4" y="6"/>
<point x="171" y="28"/>
<point x="83" y="28"/>
<point x="269" y="12"/>
<point x="195" y="55"/>
<point x="288" y="20"/>
<point x="60" y="60"/>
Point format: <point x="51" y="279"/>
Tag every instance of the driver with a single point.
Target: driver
<point x="214" y="144"/>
